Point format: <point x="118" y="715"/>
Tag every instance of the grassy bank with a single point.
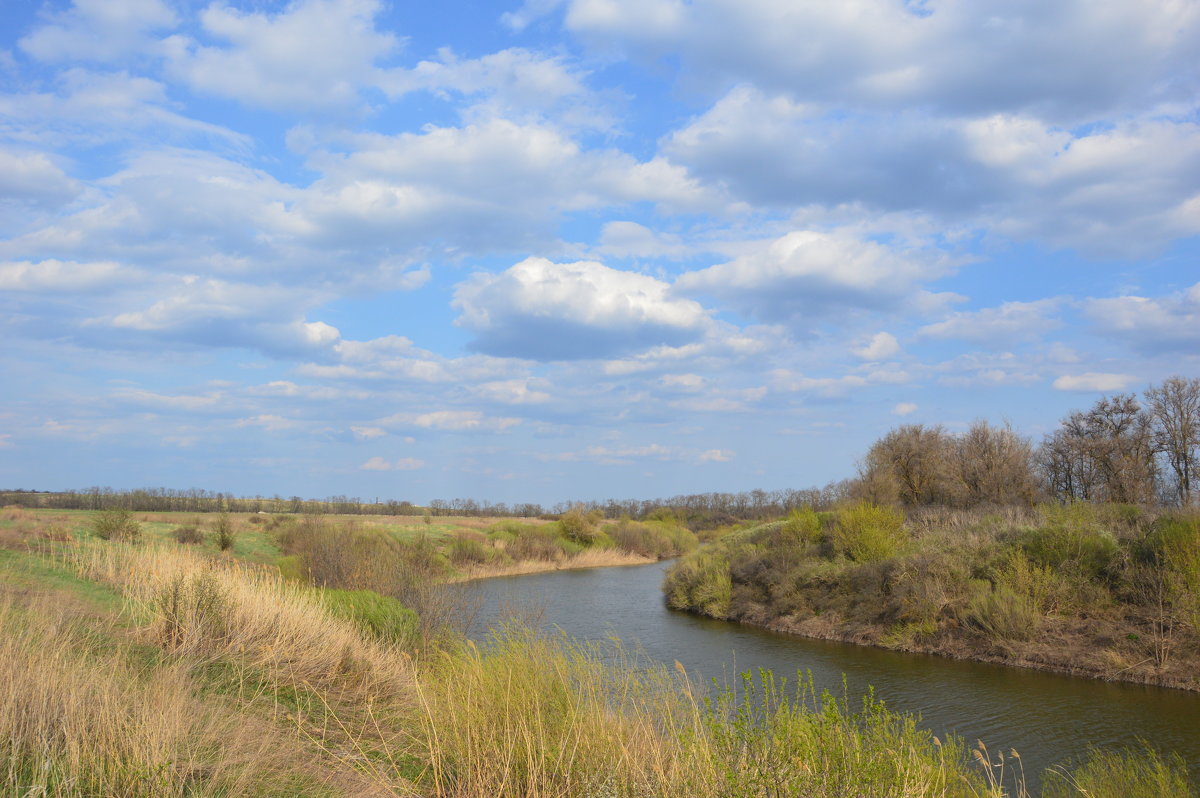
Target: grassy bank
<point x="1109" y="591"/>
<point x="157" y="668"/>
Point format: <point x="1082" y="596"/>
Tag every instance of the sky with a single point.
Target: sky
<point x="578" y="249"/>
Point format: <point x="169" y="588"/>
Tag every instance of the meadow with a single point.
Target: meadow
<point x="157" y="655"/>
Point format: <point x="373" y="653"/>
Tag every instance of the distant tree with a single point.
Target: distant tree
<point x="1174" y="409"/>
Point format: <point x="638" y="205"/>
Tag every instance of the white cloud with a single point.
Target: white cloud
<point x="630" y="239"/>
<point x="33" y="177"/>
<point x="1065" y="59"/>
<point x="315" y="54"/>
<point x="1121" y="188"/>
<point x="99" y="30"/>
<point x="552" y="311"/>
<point x="715" y="456"/>
<point x="881" y="346"/>
<point x="223" y="314"/>
<point x="368" y="433"/>
<point x="806" y="275"/>
<point x="64" y="277"/>
<point x="1151" y="325"/>
<point x="998" y="327"/>
<point x="790" y="381"/>
<point x="904" y="409"/>
<point x="268" y="421"/>
<point x="1093" y="381"/>
<point x="518" y="78"/>
<point x="513" y="392"/>
<point x="451" y="421"/>
<point x="403" y="464"/>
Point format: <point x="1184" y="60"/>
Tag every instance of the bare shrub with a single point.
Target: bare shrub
<point x="188" y="534"/>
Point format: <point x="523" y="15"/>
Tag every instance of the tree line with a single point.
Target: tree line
<point x="1123" y="449"/>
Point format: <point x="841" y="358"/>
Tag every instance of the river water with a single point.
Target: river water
<point x="1047" y="718"/>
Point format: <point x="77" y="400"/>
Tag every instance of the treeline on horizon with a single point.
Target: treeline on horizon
<point x="1122" y="450"/>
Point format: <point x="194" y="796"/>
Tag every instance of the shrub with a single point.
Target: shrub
<point x="381" y="617"/>
<point x="188" y="534"/>
<point x="659" y="540"/>
<point x="867" y="532"/>
<point x="1001" y="613"/>
<point x="579" y="528"/>
<point x="116" y="524"/>
<point x="802" y="526"/>
<point x="701" y="583"/>
<point x="224" y="532"/>
<point x="1072" y="539"/>
<point x="536" y="543"/>
<point x="469" y="551"/>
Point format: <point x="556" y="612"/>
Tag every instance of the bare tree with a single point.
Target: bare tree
<point x="916" y="460"/>
<point x="1122" y="447"/>
<point x="995" y="465"/>
<point x="1174" y="409"/>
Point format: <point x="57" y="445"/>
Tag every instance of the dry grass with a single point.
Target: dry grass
<point x="588" y="558"/>
<point x="209" y="609"/>
<point x="79" y="718"/>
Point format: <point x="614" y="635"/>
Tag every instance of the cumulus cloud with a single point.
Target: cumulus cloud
<point x="806" y="275"/>
<point x="1066" y="60"/>
<point x="563" y="311"/>
<point x="881" y="346"/>
<point x="904" y="409"/>
<point x="314" y="54"/>
<point x="1152" y="326"/>
<point x="517" y="78"/>
<point x="1093" y="381"/>
<point x="1122" y="188"/>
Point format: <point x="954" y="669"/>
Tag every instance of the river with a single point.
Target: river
<point x="1047" y="718"/>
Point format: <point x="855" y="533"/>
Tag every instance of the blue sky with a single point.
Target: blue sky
<point x="578" y="248"/>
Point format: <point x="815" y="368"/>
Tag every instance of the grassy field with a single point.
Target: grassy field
<point x="141" y="666"/>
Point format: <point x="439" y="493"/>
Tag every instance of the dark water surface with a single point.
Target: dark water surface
<point x="1048" y="718"/>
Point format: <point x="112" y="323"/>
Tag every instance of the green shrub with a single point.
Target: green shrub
<point x="224" y="532"/>
<point x="867" y="532"/>
<point x="1002" y="614"/>
<point x="700" y="583"/>
<point x="469" y="551"/>
<point x="1070" y="541"/>
<point x="802" y="526"/>
<point x="579" y="528"/>
<point x="116" y="524"/>
<point x="379" y="616"/>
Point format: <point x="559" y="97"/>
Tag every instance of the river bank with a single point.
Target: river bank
<point x="1093" y="592"/>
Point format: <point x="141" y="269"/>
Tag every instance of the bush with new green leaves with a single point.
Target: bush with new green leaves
<point x="867" y="532"/>
<point x="116" y="524"/>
